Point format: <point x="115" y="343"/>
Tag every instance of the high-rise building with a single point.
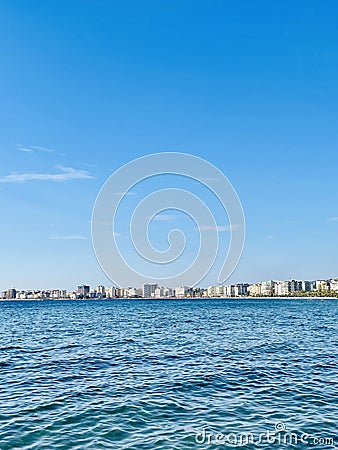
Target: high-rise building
<point x="158" y="292"/>
<point x="148" y="290"/>
<point x="255" y="289"/>
<point x="229" y="290"/>
<point x="168" y="292"/>
<point x="334" y="285"/>
<point x="306" y="286"/>
<point x="211" y="291"/>
<point x="267" y="288"/>
<point x="282" y="288"/>
<point x="111" y="292"/>
<point x="241" y="289"/>
<point x="181" y="291"/>
<point x="11" y="293"/>
<point x="83" y="290"/>
<point x="321" y="285"/>
<point x="100" y="290"/>
<point x="55" y="293"/>
<point x="295" y="286"/>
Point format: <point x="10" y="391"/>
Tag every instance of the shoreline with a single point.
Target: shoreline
<point x="83" y="300"/>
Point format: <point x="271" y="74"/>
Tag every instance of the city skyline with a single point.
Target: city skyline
<point x="83" y="96"/>
<point x="275" y="288"/>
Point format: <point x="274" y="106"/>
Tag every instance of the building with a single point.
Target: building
<point x="282" y="288"/>
<point x="163" y="292"/>
<point x="56" y="293"/>
<point x="168" y="292"/>
<point x="255" y="289"/>
<point x="148" y="290"/>
<point x="132" y="292"/>
<point x="216" y="291"/>
<point x="268" y="288"/>
<point x="211" y="291"/>
<point x="295" y="286"/>
<point x="101" y="290"/>
<point x="334" y="284"/>
<point x="83" y="290"/>
<point x="111" y="292"/>
<point x="241" y="290"/>
<point x="306" y="286"/>
<point x="235" y="290"/>
<point x="229" y="290"/>
<point x="322" y="285"/>
<point x="181" y="291"/>
<point x="11" y="293"/>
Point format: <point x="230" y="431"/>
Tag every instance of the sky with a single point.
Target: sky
<point x="87" y="86"/>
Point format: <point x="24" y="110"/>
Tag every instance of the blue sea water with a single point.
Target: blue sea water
<point x="180" y="374"/>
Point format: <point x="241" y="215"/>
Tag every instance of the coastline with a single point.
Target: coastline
<point x="83" y="300"/>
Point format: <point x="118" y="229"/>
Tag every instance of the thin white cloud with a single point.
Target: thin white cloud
<point x="25" y="149"/>
<point x="69" y="237"/>
<point x="333" y="219"/>
<point x="33" y="148"/>
<point x="66" y="173"/>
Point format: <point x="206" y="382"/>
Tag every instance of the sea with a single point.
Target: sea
<point x="169" y="374"/>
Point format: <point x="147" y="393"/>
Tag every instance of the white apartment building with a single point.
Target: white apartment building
<point x="334" y="284"/>
<point x="181" y="291"/>
<point x="255" y="290"/>
<point x="282" y="288"/>
<point x="267" y="288"/>
<point x="322" y="285"/>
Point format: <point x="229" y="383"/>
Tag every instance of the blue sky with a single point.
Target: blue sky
<point x="87" y="86"/>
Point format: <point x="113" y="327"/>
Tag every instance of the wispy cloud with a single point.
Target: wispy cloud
<point x="65" y="174"/>
<point x="33" y="148"/>
<point x="70" y="237"/>
<point x="333" y="219"/>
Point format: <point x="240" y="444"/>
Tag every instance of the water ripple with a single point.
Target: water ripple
<point x="151" y="374"/>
